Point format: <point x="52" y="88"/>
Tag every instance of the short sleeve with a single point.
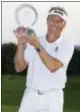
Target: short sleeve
<point x="65" y="53"/>
<point x="28" y="53"/>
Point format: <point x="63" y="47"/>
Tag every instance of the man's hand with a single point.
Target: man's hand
<point x="20" y="33"/>
<point x="33" y="40"/>
<point x="23" y="38"/>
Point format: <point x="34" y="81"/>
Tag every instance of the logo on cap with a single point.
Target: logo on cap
<point x="59" y="12"/>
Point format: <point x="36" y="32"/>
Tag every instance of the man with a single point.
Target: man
<point x="47" y="59"/>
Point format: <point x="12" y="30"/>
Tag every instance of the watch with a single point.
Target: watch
<point x="39" y="48"/>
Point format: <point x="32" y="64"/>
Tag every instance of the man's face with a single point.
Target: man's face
<point x="55" y="27"/>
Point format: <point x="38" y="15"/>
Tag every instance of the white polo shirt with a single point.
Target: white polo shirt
<point x="38" y="75"/>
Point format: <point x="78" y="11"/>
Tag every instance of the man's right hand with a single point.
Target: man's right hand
<point x="20" y="33"/>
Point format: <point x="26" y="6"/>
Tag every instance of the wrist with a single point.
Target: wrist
<point x="39" y="48"/>
<point x="37" y="45"/>
<point x="21" y="46"/>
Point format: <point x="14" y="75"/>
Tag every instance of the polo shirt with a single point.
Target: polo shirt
<point x="38" y="75"/>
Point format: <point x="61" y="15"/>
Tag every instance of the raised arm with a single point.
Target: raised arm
<point x="19" y="62"/>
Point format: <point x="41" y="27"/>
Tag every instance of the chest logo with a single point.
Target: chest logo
<point x="56" y="49"/>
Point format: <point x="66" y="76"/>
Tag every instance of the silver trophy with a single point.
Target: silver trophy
<point x="26" y="15"/>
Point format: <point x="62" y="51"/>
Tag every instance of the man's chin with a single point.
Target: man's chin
<point x="51" y="38"/>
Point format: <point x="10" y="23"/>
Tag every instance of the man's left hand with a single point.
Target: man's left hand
<point x="33" y="40"/>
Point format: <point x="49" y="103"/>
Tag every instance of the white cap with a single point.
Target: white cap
<point x="59" y="13"/>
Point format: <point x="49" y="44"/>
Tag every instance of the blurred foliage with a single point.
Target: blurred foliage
<point x="8" y="51"/>
<point x="7" y="59"/>
<point x="74" y="65"/>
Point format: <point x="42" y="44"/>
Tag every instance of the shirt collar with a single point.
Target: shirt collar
<point x="57" y="41"/>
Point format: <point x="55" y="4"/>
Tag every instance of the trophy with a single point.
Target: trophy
<point x="26" y="16"/>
